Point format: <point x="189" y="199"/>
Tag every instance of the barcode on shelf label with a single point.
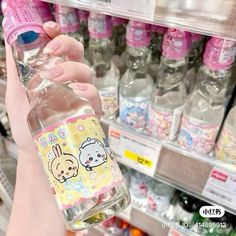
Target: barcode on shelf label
<point x="139" y="9"/>
<point x="221" y="187"/>
<point x="134" y="151"/>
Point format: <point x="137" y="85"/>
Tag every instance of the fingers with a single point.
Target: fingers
<point x="64" y="45"/>
<point x="89" y="92"/>
<point x="69" y="71"/>
<point x="52" y="28"/>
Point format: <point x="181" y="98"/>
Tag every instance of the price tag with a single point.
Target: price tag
<point x="139" y="9"/>
<point x="134" y="150"/>
<point x="221" y="187"/>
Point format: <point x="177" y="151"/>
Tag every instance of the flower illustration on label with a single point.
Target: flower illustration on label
<point x="64" y="166"/>
<point x="52" y="138"/>
<point x="92" y="154"/>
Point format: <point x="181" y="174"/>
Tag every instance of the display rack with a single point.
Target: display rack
<point x="211" y="17"/>
<point x="184" y="170"/>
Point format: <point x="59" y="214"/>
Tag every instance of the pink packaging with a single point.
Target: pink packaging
<point x="99" y="26"/>
<point x="67" y="18"/>
<point x="138" y="34"/>
<point x="176" y="44"/>
<point x="196" y="37"/>
<point x="118" y="21"/>
<point x="43" y="9"/>
<point x="20" y="18"/>
<point x="219" y="53"/>
<point x="83" y="15"/>
<point x="158" y="29"/>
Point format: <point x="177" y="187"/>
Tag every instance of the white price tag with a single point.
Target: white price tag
<point x="174" y="232"/>
<point x="221" y="187"/>
<point x="143" y="9"/>
<point x="134" y="151"/>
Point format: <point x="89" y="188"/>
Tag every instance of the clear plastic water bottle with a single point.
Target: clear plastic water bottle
<point x="43" y="9"/>
<point x="194" y="61"/>
<point x="136" y="84"/>
<point x="157" y="34"/>
<point x="83" y="19"/>
<point x="118" y="35"/>
<point x="205" y="106"/>
<point x="105" y="73"/>
<point x="168" y="97"/>
<point x="86" y="181"/>
<point x="68" y="19"/>
<point x="225" y="149"/>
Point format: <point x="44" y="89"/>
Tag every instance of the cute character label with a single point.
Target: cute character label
<point x="64" y="166"/>
<point x="78" y="164"/>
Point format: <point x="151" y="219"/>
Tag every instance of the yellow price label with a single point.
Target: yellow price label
<point x="137" y="158"/>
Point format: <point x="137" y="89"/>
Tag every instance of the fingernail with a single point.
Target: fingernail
<point x="51" y="24"/>
<point x="53" y="73"/>
<point x="81" y="86"/>
<point x="52" y="46"/>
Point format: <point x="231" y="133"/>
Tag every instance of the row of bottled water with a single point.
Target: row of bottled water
<point x="172" y="84"/>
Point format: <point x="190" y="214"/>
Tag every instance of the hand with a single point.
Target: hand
<point x="71" y="70"/>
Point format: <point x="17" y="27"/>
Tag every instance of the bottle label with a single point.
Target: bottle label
<point x="219" y="53"/>
<point x="138" y="34"/>
<point x="79" y="166"/>
<point x="164" y="124"/>
<point x="100" y="26"/>
<point x="133" y="112"/>
<point x="157" y="203"/>
<point x="67" y="18"/>
<point x="109" y="102"/>
<point x="138" y="187"/>
<point x="176" y="44"/>
<point x="20" y="18"/>
<point x="197" y="136"/>
<point x="226" y="147"/>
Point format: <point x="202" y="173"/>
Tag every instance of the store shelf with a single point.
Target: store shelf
<point x="211" y="17"/>
<point x="184" y="170"/>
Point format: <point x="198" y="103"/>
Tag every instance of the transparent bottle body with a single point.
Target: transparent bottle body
<point x="135" y="89"/>
<point x="105" y="75"/>
<point x="51" y="104"/>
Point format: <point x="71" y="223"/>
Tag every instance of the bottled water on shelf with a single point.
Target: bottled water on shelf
<point x="136" y="84"/>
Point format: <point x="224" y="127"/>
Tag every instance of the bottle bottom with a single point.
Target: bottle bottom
<point x="95" y="210"/>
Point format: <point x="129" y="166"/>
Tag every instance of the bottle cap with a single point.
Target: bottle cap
<point x="67" y="18"/>
<point x="43" y="10"/>
<point x="20" y="18"/>
<point x="83" y="15"/>
<point x="118" y="21"/>
<point x="158" y="29"/>
<point x="99" y="26"/>
<point x="176" y="44"/>
<point x="219" y="53"/>
<point x="138" y="34"/>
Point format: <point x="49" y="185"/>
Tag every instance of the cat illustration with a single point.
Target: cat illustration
<point x="92" y="153"/>
<point x="64" y="166"/>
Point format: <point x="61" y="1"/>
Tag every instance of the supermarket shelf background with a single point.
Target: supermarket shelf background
<point x="219" y="16"/>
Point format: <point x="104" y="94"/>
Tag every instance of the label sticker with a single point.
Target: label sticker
<point x="221" y="187"/>
<point x="77" y="160"/>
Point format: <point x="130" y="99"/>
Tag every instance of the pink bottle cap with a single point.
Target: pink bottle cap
<point x="158" y="29"/>
<point x="99" y="26"/>
<point x="83" y="15"/>
<point x="43" y="9"/>
<point x="67" y="18"/>
<point x="19" y="18"/>
<point x="219" y="53"/>
<point x="196" y="37"/>
<point x="138" y="34"/>
<point x="176" y="44"/>
<point x="118" y="21"/>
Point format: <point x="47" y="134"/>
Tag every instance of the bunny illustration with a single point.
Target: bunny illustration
<point x="64" y="166"/>
<point x="92" y="153"/>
